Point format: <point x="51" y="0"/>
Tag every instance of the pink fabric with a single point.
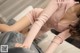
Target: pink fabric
<point x="51" y="23"/>
<point x="33" y="14"/>
<point x="44" y="16"/>
<point x="49" y="11"/>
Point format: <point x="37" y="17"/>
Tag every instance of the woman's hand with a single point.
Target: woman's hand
<point x="20" y="45"/>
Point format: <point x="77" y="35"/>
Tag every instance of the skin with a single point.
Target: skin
<point x="18" y="26"/>
<point x="65" y="34"/>
<point x="24" y="22"/>
<point x="28" y="43"/>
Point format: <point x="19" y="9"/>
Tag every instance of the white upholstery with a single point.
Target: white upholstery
<point x="23" y="13"/>
<point x="63" y="48"/>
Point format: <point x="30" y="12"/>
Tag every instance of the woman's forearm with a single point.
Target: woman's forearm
<point x="45" y="15"/>
<point x="18" y="26"/>
<point x="57" y="41"/>
<point x="54" y="44"/>
<point x="4" y="27"/>
<point x="21" y="24"/>
<point x="52" y="48"/>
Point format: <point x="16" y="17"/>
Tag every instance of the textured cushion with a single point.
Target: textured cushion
<point x="63" y="48"/>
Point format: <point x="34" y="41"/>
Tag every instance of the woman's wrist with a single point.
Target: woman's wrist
<point x="54" y="44"/>
<point x="58" y="40"/>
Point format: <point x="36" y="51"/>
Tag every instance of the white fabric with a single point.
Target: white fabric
<point x="63" y="48"/>
<point x="23" y="13"/>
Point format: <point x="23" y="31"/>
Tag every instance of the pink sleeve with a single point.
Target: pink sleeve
<point x="44" y="16"/>
<point x="33" y="14"/>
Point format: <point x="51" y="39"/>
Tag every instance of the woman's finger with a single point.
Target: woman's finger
<point x="59" y="3"/>
<point x="17" y="45"/>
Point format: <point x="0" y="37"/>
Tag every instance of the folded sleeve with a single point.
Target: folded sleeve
<point x="44" y="16"/>
<point x="33" y="14"/>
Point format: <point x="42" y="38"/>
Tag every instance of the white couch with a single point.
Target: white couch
<point x="65" y="47"/>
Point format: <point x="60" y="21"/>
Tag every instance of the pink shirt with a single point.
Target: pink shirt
<point x="49" y="12"/>
<point x="52" y="23"/>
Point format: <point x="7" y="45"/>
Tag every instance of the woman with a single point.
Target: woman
<point x="65" y="23"/>
<point x="73" y="18"/>
<point x="53" y="14"/>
